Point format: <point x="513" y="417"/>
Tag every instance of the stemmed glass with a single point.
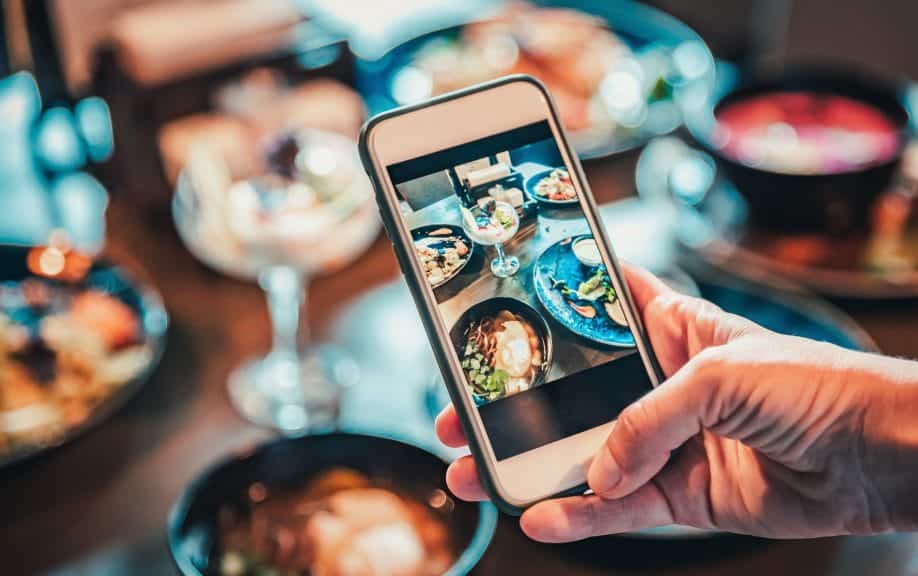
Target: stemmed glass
<point x="310" y="214"/>
<point x="493" y="223"/>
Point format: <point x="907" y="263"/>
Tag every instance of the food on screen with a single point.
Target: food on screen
<point x="443" y="252"/>
<point x="490" y="222"/>
<point x="503" y="355"/>
<point x="556" y="186"/>
<point x="597" y="289"/>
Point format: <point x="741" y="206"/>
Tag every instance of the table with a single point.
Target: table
<point x="99" y="505"/>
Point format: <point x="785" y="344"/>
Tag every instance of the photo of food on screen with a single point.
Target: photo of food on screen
<point x="500" y="235"/>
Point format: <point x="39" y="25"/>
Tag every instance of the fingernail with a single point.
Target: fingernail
<point x="604" y="474"/>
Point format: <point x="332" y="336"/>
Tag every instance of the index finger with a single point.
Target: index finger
<point x="448" y="428"/>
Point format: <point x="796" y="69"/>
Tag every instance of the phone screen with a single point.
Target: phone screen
<point x="532" y="315"/>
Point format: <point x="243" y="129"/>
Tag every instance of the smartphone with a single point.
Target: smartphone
<point x="526" y="308"/>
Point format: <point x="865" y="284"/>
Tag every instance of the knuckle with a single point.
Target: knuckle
<point x="632" y="423"/>
<point x="666" y="305"/>
<point x="714" y="382"/>
<point x="661" y="309"/>
<point x="709" y="364"/>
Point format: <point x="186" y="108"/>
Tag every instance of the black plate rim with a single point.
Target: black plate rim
<point x="153" y="304"/>
<point x="726" y="254"/>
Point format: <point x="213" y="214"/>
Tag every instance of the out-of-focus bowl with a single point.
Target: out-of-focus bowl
<point x="289" y="463"/>
<point x="837" y="202"/>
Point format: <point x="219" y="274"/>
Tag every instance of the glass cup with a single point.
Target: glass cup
<point x="313" y="215"/>
<point x="493" y="223"/>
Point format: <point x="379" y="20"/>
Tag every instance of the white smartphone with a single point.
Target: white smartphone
<point x="529" y="316"/>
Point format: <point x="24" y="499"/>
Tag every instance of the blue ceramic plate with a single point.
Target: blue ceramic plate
<point x="530" y="186"/>
<point x="391" y="79"/>
<point x="558" y="262"/>
<point x="104" y="276"/>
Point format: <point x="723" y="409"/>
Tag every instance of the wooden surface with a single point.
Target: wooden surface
<point x="99" y="505"/>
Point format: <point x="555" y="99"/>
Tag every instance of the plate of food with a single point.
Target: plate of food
<point x="579" y="295"/>
<point x="504" y="347"/>
<point x="341" y="503"/>
<point x="619" y="72"/>
<point x="443" y="251"/>
<point x="71" y="352"/>
<point x="552" y="186"/>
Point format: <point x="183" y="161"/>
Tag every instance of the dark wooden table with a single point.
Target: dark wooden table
<point x="99" y="505"/>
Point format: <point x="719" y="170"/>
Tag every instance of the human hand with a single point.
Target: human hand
<point x="753" y="432"/>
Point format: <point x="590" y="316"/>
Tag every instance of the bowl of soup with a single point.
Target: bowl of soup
<point x="810" y="151"/>
<point x="342" y="503"/>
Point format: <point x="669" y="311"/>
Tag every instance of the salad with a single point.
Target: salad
<point x="597" y="289"/>
<point x="503" y="355"/>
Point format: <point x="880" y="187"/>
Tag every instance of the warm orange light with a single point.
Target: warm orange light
<point x="58" y="263"/>
<point x="51" y="262"/>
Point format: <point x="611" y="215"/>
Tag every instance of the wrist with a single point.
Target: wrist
<point x="889" y="444"/>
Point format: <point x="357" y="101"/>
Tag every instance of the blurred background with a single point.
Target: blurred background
<point x="191" y="262"/>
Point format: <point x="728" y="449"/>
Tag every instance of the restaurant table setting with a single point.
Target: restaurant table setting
<point x="174" y="402"/>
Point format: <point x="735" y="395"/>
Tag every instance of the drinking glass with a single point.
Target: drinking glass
<point x="310" y="215"/>
<point x="493" y="223"/>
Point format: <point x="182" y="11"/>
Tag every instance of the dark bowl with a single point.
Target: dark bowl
<point x="832" y="202"/>
<point x="492" y="306"/>
<point x="289" y="463"/>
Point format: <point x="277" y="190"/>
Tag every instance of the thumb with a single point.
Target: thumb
<point x="646" y="432"/>
<point x="680" y="327"/>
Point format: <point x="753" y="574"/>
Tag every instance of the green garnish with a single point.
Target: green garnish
<point x="597" y="287"/>
<point x="505" y="220"/>
<point x="484" y="381"/>
<point x="593" y="287"/>
<point x="661" y="90"/>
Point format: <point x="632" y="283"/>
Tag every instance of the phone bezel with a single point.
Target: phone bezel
<point x="376" y="166"/>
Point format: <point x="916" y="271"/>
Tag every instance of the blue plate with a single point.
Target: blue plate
<point x="558" y="262"/>
<point x="530" y="186"/>
<point x="103" y="276"/>
<point x="390" y="79"/>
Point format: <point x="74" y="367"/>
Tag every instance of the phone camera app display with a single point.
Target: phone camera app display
<point x="518" y="278"/>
